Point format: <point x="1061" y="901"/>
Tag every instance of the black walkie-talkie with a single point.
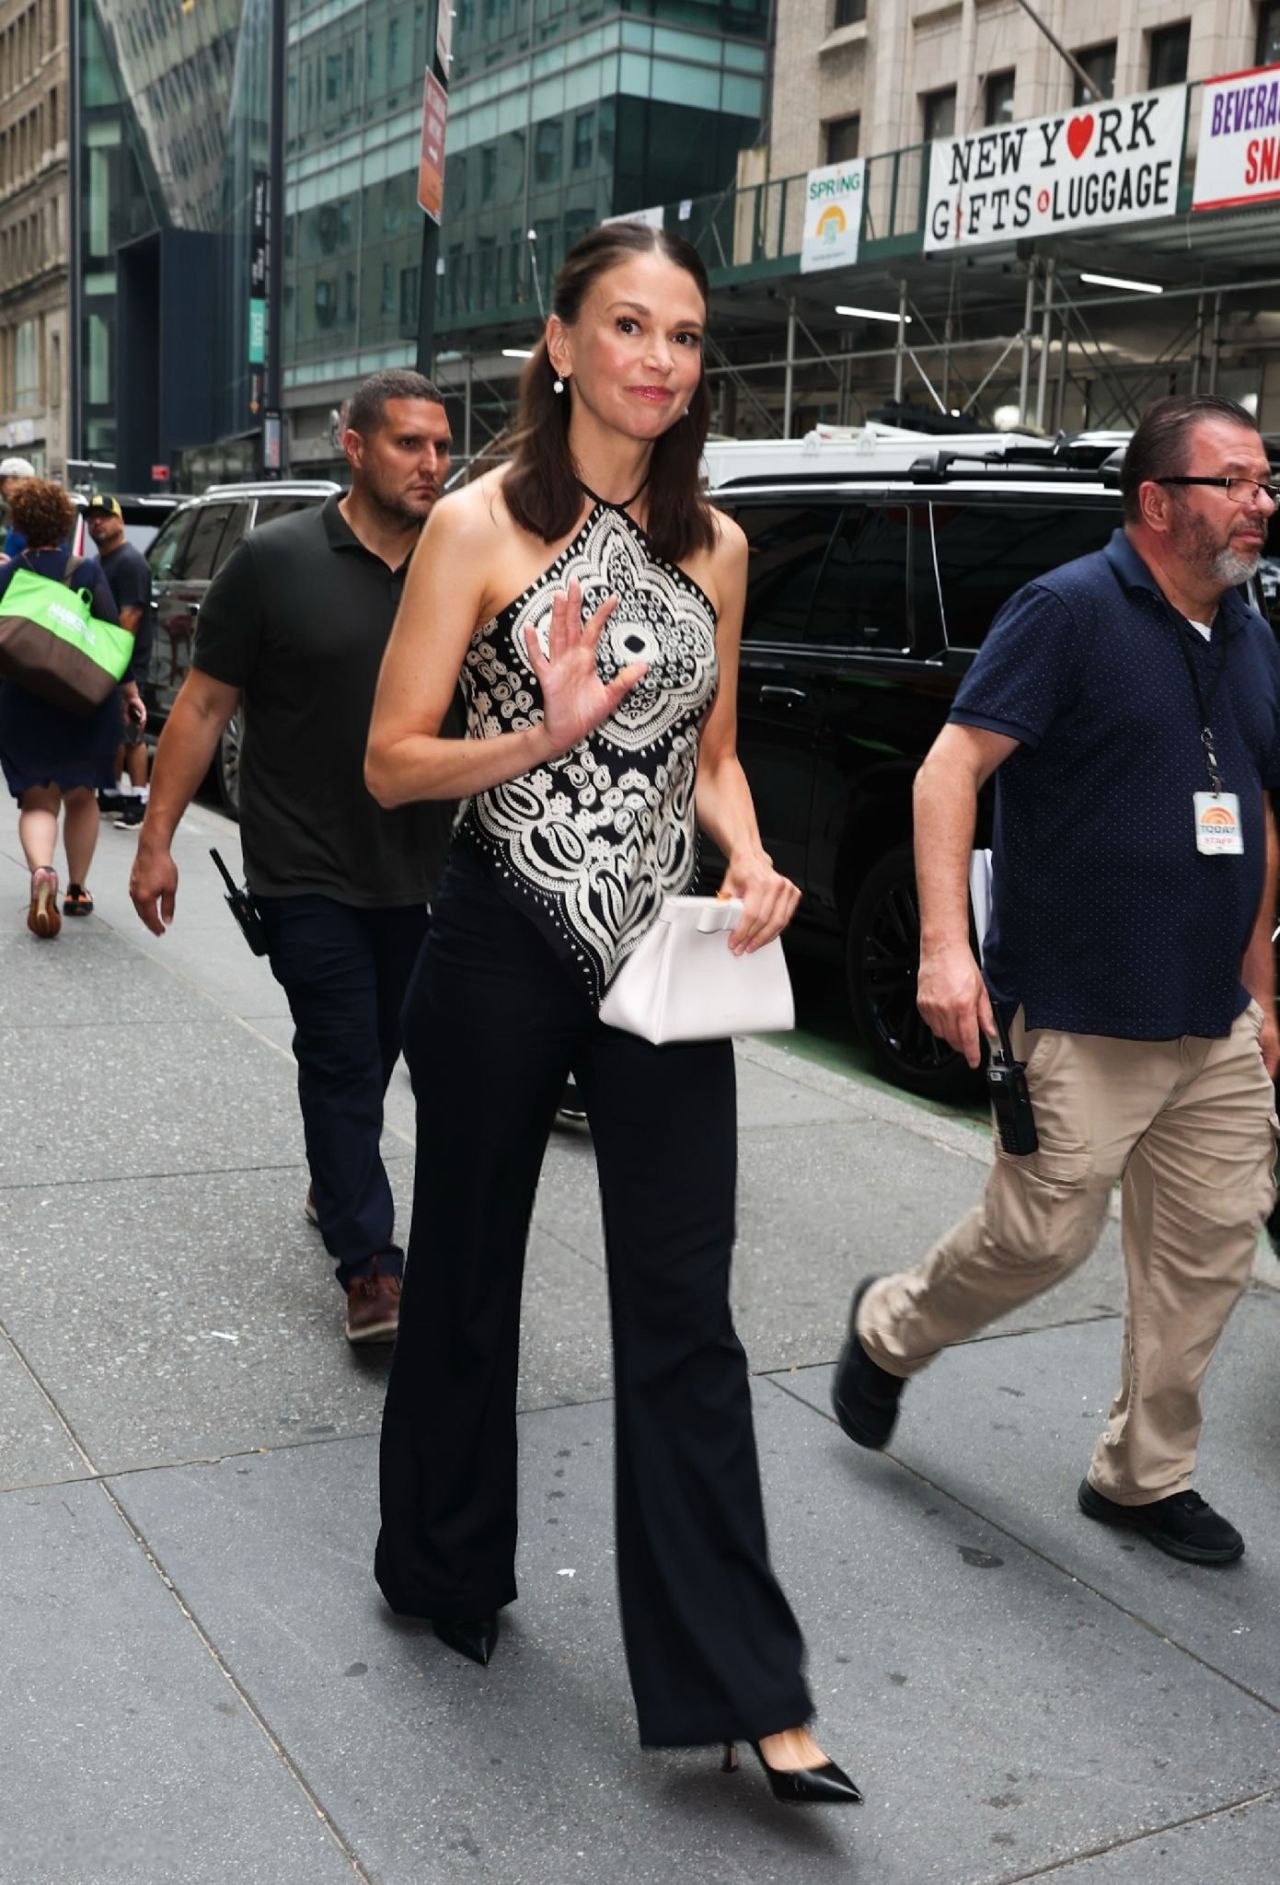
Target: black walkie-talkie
<point x="1010" y="1100"/>
<point x="241" y="906"/>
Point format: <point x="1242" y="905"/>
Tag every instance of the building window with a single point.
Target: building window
<point x="26" y="366"/>
<point x="1168" y="55"/>
<point x="326" y="302"/>
<point x="997" y="98"/>
<point x="584" y="139"/>
<point x="843" y="138"/>
<point x="849" y="13"/>
<point x="408" y="300"/>
<point x="939" y="114"/>
<point x="1268" y="47"/>
<point x="488" y="173"/>
<point x="1098" y="63"/>
<point x="546" y="151"/>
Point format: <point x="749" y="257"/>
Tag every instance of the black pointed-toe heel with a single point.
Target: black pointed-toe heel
<point x="827" y="1785"/>
<point x="473" y="1637"/>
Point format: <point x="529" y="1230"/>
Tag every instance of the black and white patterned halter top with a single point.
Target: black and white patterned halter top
<point x="590" y="843"/>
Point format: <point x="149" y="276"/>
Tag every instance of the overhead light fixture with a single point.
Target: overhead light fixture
<point x="517" y="353"/>
<point x="1120" y="281"/>
<point x="875" y="314"/>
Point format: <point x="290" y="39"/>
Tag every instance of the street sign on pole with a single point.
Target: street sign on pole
<point x="431" y="173"/>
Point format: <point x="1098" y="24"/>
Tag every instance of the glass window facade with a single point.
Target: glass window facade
<point x="173" y="122"/>
<point x="561" y="112"/>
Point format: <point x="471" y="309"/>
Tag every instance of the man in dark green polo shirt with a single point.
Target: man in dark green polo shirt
<point x="295" y="624"/>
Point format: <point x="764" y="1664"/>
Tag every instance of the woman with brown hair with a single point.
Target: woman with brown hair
<point x="54" y="761"/>
<point x="593" y="745"/>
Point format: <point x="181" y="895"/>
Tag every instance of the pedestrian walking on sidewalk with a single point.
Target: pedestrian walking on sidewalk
<point x="1129" y="707"/>
<point x="592" y="744"/>
<point x="295" y="624"/>
<point x="54" y="761"/>
<point x="127" y="572"/>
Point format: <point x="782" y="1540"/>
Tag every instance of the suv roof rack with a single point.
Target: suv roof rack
<point x="930" y="468"/>
<point x="1017" y="464"/>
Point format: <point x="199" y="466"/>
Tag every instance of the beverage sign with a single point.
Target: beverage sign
<point x="832" y="215"/>
<point x="435" y="109"/>
<point x="1238" y="159"/>
<point x="1100" y="164"/>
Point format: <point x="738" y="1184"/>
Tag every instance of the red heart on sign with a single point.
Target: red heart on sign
<point x="1079" y="131"/>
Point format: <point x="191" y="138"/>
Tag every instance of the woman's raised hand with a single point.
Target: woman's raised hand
<point x="574" y="698"/>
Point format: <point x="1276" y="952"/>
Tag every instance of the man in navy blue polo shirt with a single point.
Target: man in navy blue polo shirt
<point x="1131" y="701"/>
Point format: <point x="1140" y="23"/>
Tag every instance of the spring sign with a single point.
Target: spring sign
<point x="1238" y="157"/>
<point x="1100" y="164"/>
<point x="832" y="215"/>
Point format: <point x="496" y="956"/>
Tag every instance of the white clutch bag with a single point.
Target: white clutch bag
<point x="683" y="983"/>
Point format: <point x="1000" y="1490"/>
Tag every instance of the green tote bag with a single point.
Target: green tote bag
<point x="51" y="643"/>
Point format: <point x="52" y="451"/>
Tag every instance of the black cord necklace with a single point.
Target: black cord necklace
<point x="626" y="503"/>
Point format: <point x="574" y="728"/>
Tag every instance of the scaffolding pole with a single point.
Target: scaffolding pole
<point x="788" y="390"/>
<point x="1046" y="341"/>
<point x="1028" y="314"/>
<point x="900" y="351"/>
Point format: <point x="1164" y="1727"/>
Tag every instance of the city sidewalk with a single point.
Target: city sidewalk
<point x="201" y="1683"/>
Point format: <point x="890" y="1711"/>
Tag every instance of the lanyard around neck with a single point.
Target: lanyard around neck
<point x="1204" y="701"/>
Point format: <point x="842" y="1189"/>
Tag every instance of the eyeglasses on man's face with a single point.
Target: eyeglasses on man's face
<point x="1238" y="490"/>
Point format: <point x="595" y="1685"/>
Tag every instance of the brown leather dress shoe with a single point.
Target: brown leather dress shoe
<point x="373" y="1307"/>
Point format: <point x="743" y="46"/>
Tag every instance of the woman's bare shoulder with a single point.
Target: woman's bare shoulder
<point x="473" y="512"/>
<point x="731" y="543"/>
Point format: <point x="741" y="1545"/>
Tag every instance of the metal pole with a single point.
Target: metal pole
<point x="430" y="235"/>
<point x="75" y="220"/>
<point x="1090" y="89"/>
<point x="466" y="424"/>
<point x="1199" y="352"/>
<point x="900" y="351"/>
<point x="788" y="388"/>
<point x="1064" y="344"/>
<point x="1215" y="344"/>
<point x="1046" y="341"/>
<point x="273" y="379"/>
<point x="1029" y="308"/>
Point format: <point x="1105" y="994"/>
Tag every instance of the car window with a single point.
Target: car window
<point x="269" y="508"/>
<point x="786" y="547"/>
<point x="165" y="555"/>
<point x="202" y="551"/>
<point x="237" y="525"/>
<point x="988" y="551"/>
<point x="863" y="600"/>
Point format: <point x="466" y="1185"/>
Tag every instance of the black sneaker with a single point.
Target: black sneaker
<point x="1184" y="1525"/>
<point x="864" y="1395"/>
<point x="132" y="816"/>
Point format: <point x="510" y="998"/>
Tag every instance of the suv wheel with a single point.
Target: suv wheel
<point x="882" y="954"/>
<point x="226" y="763"/>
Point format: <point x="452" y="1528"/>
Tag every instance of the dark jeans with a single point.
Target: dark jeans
<point x="345" y="972"/>
<point x="713" y="1649"/>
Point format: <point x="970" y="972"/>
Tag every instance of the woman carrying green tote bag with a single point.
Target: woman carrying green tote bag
<point x="55" y="757"/>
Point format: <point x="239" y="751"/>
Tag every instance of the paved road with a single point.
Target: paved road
<point x="201" y="1684"/>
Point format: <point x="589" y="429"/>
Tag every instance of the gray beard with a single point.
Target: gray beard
<point x="1230" y="567"/>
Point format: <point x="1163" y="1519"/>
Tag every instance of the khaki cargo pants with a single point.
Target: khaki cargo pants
<point x="1188" y="1126"/>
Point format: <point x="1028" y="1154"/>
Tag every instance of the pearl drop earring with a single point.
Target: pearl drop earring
<point x="557" y="385"/>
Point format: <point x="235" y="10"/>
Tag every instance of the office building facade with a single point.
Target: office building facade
<point x="33" y="233"/>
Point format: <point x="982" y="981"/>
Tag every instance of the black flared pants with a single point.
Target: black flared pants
<point x="494" y="1022"/>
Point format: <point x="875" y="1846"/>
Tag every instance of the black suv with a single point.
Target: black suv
<point x="184" y="558"/>
<point x="867" y="599"/>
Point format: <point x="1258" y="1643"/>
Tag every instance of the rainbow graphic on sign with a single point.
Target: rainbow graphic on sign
<point x="832" y="223"/>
